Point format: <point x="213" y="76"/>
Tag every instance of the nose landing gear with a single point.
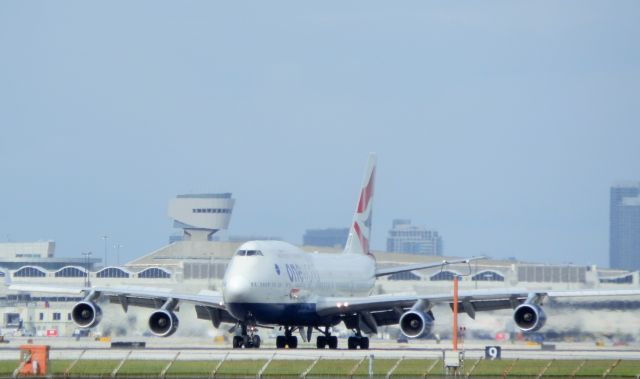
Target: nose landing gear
<point x="248" y="338"/>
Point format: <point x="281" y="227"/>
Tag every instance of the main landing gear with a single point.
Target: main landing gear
<point x="358" y="341"/>
<point x="326" y="340"/>
<point x="288" y="340"/>
<point x="248" y="339"/>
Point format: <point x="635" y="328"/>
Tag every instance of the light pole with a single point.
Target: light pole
<point x="105" y="238"/>
<point x="117" y="247"/>
<point x="87" y="280"/>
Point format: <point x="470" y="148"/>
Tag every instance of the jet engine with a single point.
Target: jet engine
<point x="529" y="317"/>
<point x="86" y="314"/>
<point x="163" y="323"/>
<point x="415" y="323"/>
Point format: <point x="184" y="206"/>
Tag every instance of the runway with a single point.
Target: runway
<point x="205" y="349"/>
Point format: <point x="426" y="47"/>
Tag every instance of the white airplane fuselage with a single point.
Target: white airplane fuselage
<point x="278" y="283"/>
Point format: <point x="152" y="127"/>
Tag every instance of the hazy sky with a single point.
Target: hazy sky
<point x="500" y="124"/>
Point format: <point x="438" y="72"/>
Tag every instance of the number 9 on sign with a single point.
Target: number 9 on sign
<point x="492" y="352"/>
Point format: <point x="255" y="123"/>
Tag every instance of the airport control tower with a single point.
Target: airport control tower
<point x="201" y="215"/>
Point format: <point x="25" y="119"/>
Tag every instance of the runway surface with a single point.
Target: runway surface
<point x="206" y="349"/>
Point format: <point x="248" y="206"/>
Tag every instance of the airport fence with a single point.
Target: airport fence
<point x="129" y="365"/>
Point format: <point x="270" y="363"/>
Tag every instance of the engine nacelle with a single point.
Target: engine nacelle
<point x="415" y="323"/>
<point x="163" y="323"/>
<point x="86" y="314"/>
<point x="529" y="317"/>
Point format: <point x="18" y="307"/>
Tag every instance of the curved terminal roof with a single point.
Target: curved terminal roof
<point x="71" y="272"/>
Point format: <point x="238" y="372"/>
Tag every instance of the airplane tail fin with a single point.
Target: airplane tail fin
<point x="360" y="232"/>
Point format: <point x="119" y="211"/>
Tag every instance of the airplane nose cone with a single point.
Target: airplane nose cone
<point x="236" y="290"/>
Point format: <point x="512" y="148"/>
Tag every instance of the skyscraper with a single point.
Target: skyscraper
<point x="332" y="237"/>
<point x="624" y="226"/>
<point x="407" y="238"/>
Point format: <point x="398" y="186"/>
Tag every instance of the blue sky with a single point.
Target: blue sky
<point x="501" y="124"/>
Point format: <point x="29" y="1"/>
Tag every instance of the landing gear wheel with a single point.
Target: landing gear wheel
<point x="358" y="342"/>
<point x="327" y="339"/>
<point x="247" y="339"/>
<point x="281" y="342"/>
<point x="332" y="341"/>
<point x="292" y="342"/>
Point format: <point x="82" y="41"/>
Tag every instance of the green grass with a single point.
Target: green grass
<point x="626" y="368"/>
<point x="413" y="367"/>
<point x="240" y="367"/>
<point x="94" y="367"/>
<point x="191" y="368"/>
<point x="594" y="368"/>
<point x="380" y="367"/>
<point x="496" y="367"/>
<point x="58" y="367"/>
<point x="287" y="368"/>
<point x="528" y="368"/>
<point x="7" y="367"/>
<point x="468" y="364"/>
<point x="334" y="368"/>
<point x="142" y="368"/>
<point x="562" y="367"/>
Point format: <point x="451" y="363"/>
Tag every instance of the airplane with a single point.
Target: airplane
<point x="276" y="284"/>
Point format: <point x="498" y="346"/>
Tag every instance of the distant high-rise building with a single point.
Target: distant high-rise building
<point x="407" y="238"/>
<point x="624" y="226"/>
<point x="331" y="237"/>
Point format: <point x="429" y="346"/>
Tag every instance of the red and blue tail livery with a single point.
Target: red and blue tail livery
<point x="360" y="233"/>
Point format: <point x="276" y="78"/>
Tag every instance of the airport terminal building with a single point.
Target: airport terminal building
<point x="196" y="262"/>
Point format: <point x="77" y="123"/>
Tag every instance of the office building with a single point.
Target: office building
<point x="331" y="237"/>
<point x="407" y="238"/>
<point x="624" y="226"/>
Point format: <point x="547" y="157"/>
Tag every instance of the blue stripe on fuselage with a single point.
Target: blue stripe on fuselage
<point x="298" y="314"/>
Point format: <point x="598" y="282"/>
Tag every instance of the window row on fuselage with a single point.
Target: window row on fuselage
<point x="322" y="285"/>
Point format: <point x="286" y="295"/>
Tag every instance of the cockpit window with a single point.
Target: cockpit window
<point x="249" y="252"/>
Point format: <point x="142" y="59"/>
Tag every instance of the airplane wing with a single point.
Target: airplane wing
<point x="209" y="305"/>
<point x="379" y="310"/>
<point x="499" y="299"/>
<point x="421" y="266"/>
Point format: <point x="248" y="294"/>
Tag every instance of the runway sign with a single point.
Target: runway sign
<point x="492" y="352"/>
